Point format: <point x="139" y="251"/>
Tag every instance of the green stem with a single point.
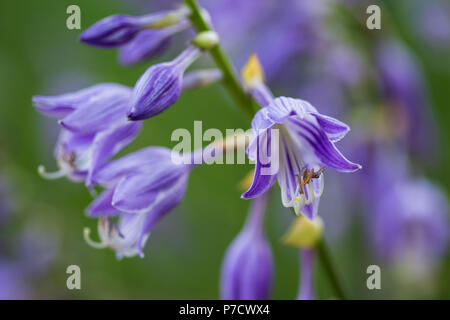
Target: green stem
<point x="230" y="81"/>
<point x="330" y="269"/>
<point x="233" y="86"/>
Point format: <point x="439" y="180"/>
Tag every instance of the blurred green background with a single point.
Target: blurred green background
<point x="39" y="55"/>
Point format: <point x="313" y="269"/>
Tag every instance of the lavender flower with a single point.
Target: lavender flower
<point x="160" y="86"/>
<point x="297" y="152"/>
<point x="247" y="268"/>
<point x="119" y="29"/>
<point x="94" y="128"/>
<point x="62" y="105"/>
<point x="142" y="187"/>
<point x="306" y="291"/>
<point x="410" y="224"/>
<point x="148" y="43"/>
<point x="403" y="86"/>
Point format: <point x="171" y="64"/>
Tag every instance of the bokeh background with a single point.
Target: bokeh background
<point x="41" y="221"/>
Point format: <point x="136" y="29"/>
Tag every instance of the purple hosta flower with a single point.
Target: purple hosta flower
<point x="302" y="146"/>
<point x="247" y="269"/>
<point x="344" y="64"/>
<point x="410" y="224"/>
<point x="148" y="43"/>
<point x="402" y="84"/>
<point x="306" y="291"/>
<point x="142" y="187"/>
<point x="293" y="143"/>
<point x="160" y="86"/>
<point x="119" y="29"/>
<point x="94" y="128"/>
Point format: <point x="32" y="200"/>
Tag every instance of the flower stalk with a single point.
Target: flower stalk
<point x="249" y="106"/>
<point x="230" y="80"/>
<point x="330" y="269"/>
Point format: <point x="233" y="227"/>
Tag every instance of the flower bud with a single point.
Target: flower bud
<point x="304" y="233"/>
<point x="206" y="40"/>
<point x="160" y="86"/>
<point x="247" y="269"/>
<point x="116" y="30"/>
<point x="148" y="43"/>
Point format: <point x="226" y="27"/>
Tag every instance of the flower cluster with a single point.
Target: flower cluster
<point x="294" y="142"/>
<point x="142" y="187"/>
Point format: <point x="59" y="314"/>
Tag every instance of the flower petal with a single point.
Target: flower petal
<point x="316" y="146"/>
<point x="102" y="205"/>
<point x="145" y="45"/>
<point x="281" y="108"/>
<point x="263" y="177"/>
<point x="108" y="143"/>
<point x="335" y="129"/>
<point x="61" y="105"/>
<point x="99" y="113"/>
<point x="136" y="193"/>
<point x="139" y="161"/>
<point x="290" y="167"/>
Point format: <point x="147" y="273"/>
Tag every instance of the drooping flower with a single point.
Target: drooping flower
<point x="148" y="43"/>
<point x="247" y="268"/>
<point x="293" y="143"/>
<point x="141" y="188"/>
<point x="94" y="128"/>
<point x="117" y="30"/>
<point x="160" y="86"/>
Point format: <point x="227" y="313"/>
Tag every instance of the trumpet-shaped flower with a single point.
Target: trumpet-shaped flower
<point x="293" y="143"/>
<point x="94" y="128"/>
<point x="142" y="188"/>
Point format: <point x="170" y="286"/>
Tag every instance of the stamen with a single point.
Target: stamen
<point x="51" y="175"/>
<point x="89" y="241"/>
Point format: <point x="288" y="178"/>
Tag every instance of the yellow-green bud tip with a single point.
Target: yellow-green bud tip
<point x="304" y="233"/>
<point x="206" y="40"/>
<point x="252" y="73"/>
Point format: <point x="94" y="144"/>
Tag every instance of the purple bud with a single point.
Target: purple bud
<point x="117" y="30"/>
<point x="160" y="86"/>
<point x="247" y="269"/>
<point x="148" y="43"/>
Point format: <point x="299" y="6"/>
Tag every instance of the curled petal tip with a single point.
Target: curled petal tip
<point x="90" y="242"/>
<point x="50" y="175"/>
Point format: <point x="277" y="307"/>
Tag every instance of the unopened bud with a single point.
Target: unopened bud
<point x="170" y="19"/>
<point x="304" y="233"/>
<point x="206" y="40"/>
<point x="252" y="73"/>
